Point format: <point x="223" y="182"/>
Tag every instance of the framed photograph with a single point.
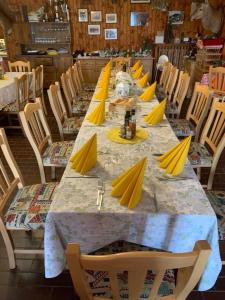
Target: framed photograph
<point x="176" y="17"/>
<point x="140" y="1"/>
<point x="111" y="18"/>
<point x="94" y="30"/>
<point x="82" y="15"/>
<point x="96" y="16"/>
<point x="111" y="34"/>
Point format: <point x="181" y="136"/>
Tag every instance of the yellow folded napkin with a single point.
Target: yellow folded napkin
<point x="128" y="185"/>
<point x="97" y="116"/>
<point x="136" y="66"/>
<point x="149" y="93"/>
<point x="144" y="80"/>
<point x="138" y="73"/>
<point x="156" y="115"/>
<point x="86" y="158"/>
<point x="109" y="64"/>
<point x="102" y="93"/>
<point x="174" y="159"/>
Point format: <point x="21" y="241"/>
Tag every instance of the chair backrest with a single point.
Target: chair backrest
<point x="165" y="74"/>
<point x="22" y="91"/>
<point x="181" y="91"/>
<point x="217" y="79"/>
<point x="76" y="80"/>
<point x="37" y="81"/>
<point x="8" y="184"/>
<point x="19" y="66"/>
<point x="36" y="129"/>
<point x="71" y="84"/>
<point x="80" y="71"/>
<point x="190" y="267"/>
<point x="171" y="81"/>
<point x="77" y="77"/>
<point x="198" y="107"/>
<point x="213" y="135"/>
<point x="67" y="92"/>
<point x="57" y="105"/>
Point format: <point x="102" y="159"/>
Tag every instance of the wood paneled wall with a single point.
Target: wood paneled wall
<point x="128" y="36"/>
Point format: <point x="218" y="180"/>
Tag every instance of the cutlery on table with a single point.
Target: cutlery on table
<point x="101" y="192"/>
<point x="100" y="185"/>
<point x="155" y="202"/>
<point x="172" y="179"/>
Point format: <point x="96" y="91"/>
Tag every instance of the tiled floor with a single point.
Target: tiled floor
<point x="27" y="281"/>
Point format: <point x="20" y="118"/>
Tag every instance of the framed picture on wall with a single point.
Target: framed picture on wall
<point x="176" y="17"/>
<point x="94" y="30"/>
<point x="96" y="16"/>
<point x="111" y="34"/>
<point x="111" y="18"/>
<point x="140" y="1"/>
<point x="82" y="15"/>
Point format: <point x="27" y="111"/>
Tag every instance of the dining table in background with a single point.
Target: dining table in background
<point x="172" y="214"/>
<point x="8" y="87"/>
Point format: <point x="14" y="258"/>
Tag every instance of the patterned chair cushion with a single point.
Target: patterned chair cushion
<point x="99" y="280"/>
<point x="199" y="156"/>
<point x="171" y="110"/>
<point x="217" y="200"/>
<point x="58" y="154"/>
<point x="80" y="107"/>
<point x="30" y="207"/>
<point x="11" y="107"/>
<point x="182" y="127"/>
<point x="71" y="125"/>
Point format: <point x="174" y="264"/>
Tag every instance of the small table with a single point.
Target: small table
<point x="8" y="88"/>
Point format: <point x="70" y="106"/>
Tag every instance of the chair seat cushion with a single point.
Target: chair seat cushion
<point x="199" y="156"/>
<point x="217" y="200"/>
<point x="71" y="125"/>
<point x="30" y="207"/>
<point x="171" y="110"/>
<point x="99" y="280"/>
<point x="11" y="107"/>
<point x="80" y="107"/>
<point x="182" y="127"/>
<point x="58" y="154"/>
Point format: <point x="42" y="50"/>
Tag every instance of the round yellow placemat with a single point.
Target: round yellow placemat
<point x="114" y="135"/>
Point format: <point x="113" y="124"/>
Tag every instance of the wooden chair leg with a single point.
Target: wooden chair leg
<point x="43" y="104"/>
<point x="8" y="244"/>
<point x="53" y="177"/>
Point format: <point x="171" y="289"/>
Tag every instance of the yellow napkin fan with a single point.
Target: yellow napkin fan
<point x="128" y="185"/>
<point x="144" y="80"/>
<point x="156" y="115"/>
<point x="138" y="73"/>
<point x="86" y="158"/>
<point x="174" y="159"/>
<point x="149" y="93"/>
<point x="97" y="116"/>
<point x="101" y="94"/>
<point x="136" y="66"/>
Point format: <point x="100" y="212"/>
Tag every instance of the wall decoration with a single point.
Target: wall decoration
<point x="111" y="34"/>
<point x="82" y="15"/>
<point x="140" y="1"/>
<point x="94" y="29"/>
<point x="111" y="18"/>
<point x="176" y="17"/>
<point x="160" y="4"/>
<point x="139" y="18"/>
<point x="96" y="16"/>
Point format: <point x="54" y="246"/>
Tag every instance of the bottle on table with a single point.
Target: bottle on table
<point x="133" y="123"/>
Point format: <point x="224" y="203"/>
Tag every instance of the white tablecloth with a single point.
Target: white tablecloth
<point x="185" y="214"/>
<point x="8" y="88"/>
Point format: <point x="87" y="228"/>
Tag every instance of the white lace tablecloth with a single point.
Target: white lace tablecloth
<point x="184" y="213"/>
<point x="8" y="88"/>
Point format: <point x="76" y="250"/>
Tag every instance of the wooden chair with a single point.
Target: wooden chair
<point x="165" y="74"/>
<point x="169" y="88"/>
<point x="212" y="139"/>
<point x="190" y="268"/>
<point x="196" y="114"/>
<point x="81" y="92"/>
<point x="22" y="98"/>
<point x="217" y="80"/>
<point x="88" y="87"/>
<point x="48" y="154"/>
<point x="175" y="105"/>
<point x="19" y="66"/>
<point x="37" y="85"/>
<point x="74" y="106"/>
<point x="18" y="212"/>
<point x="66" y="125"/>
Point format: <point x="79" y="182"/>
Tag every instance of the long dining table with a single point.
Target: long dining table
<point x="172" y="214"/>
